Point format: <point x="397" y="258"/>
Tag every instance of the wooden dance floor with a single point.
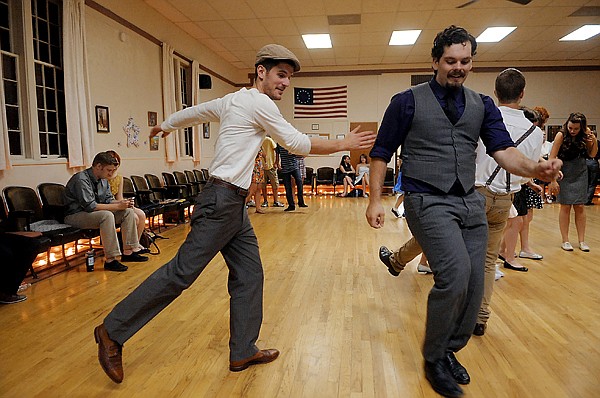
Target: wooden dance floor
<point x="344" y="326"/>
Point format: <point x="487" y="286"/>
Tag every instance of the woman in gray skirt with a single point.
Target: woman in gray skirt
<point x="572" y="145"/>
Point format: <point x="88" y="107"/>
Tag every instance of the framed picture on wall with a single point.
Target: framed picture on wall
<point x="154" y="143"/>
<point x="206" y="131"/>
<point x="152" y="119"/>
<point x="102" y="122"/>
<point x="340" y="136"/>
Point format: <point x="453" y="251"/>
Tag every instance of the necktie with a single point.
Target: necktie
<point x="451" y="110"/>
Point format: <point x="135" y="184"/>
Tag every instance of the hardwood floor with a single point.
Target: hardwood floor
<point x="345" y="327"/>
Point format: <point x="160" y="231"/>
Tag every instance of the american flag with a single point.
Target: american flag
<point x="324" y="102"/>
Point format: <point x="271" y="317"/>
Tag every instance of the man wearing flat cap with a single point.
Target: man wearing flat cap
<point x="220" y="222"/>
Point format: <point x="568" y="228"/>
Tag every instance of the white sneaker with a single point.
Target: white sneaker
<point x="401" y="209"/>
<point x="568" y="247"/>
<point x="499" y="274"/>
<point x="583" y="247"/>
<point x="251" y="204"/>
<point x="423" y="269"/>
<point x="395" y="213"/>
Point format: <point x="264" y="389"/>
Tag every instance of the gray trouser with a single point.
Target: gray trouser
<point x="219" y="223"/>
<point x="453" y="233"/>
<point x="106" y="221"/>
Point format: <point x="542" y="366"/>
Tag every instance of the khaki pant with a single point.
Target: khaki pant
<point x="407" y="252"/>
<point x="496" y="210"/>
<point x="106" y="221"/>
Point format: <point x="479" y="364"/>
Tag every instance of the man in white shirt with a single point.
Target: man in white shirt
<point x="220" y="222"/>
<point x="495" y="183"/>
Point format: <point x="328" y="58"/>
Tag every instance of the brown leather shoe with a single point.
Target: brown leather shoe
<point x="109" y="354"/>
<point x="262" y="356"/>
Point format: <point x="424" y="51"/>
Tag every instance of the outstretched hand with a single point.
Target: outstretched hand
<point x="360" y="140"/>
<point x="157" y="129"/>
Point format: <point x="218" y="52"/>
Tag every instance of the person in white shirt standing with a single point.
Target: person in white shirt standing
<point x="220" y="222"/>
<point x="496" y="184"/>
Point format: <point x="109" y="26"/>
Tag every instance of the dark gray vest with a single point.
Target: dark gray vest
<point x="437" y="152"/>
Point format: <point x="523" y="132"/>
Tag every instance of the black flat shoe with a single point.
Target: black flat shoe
<point x="115" y="265"/>
<point x="479" y="329"/>
<point x="133" y="257"/>
<point x="384" y="256"/>
<point x="510" y="266"/>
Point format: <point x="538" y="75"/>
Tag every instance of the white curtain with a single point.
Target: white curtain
<point x="80" y="137"/>
<point x="169" y="105"/>
<point x="197" y="129"/>
<point x="5" y="163"/>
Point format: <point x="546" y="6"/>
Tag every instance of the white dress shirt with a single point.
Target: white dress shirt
<point x="246" y="117"/>
<point x="517" y="124"/>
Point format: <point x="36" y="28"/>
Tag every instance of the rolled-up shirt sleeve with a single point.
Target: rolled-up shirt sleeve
<point x="494" y="135"/>
<point x="396" y="122"/>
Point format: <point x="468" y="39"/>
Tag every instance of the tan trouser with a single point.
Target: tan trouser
<point x="106" y="221"/>
<point x="407" y="252"/>
<point x="496" y="210"/>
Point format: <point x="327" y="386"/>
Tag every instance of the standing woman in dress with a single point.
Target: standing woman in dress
<point x="572" y="145"/>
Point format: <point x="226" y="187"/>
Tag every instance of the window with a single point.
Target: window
<point x="183" y="76"/>
<point x="34" y="92"/>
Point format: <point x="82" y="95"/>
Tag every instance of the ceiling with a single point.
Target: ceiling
<point x="236" y="29"/>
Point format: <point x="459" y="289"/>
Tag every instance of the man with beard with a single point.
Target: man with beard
<point x="438" y="125"/>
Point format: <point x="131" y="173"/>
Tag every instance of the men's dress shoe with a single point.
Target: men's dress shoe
<point x="133" y="257"/>
<point x="456" y="369"/>
<point x="109" y="354"/>
<point x="290" y="208"/>
<point x="531" y="256"/>
<point x="438" y="375"/>
<point x="479" y="329"/>
<point x="143" y="251"/>
<point x="115" y="265"/>
<point x="384" y="256"/>
<point x="262" y="356"/>
<point x="510" y="266"/>
<point x="303" y="205"/>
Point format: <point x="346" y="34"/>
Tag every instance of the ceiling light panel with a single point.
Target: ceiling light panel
<point x="404" y="37"/>
<point x="317" y="40"/>
<point x="494" y="35"/>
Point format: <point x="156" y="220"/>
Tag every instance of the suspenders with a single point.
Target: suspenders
<point x="521" y="139"/>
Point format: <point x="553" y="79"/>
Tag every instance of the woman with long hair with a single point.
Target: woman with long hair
<point x="346" y="174"/>
<point x="362" y="168"/>
<point x="572" y="145"/>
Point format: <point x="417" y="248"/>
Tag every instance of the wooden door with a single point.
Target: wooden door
<point x="355" y="155"/>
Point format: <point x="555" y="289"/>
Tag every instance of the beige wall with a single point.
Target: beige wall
<point x="125" y="75"/>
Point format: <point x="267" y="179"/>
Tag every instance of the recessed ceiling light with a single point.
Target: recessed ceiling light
<point x="583" y="33"/>
<point x="317" y="40"/>
<point x="404" y="37"/>
<point x="494" y="35"/>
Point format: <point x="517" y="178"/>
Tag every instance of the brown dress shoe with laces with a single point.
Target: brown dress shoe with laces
<point x="109" y="354"/>
<point x="262" y="356"/>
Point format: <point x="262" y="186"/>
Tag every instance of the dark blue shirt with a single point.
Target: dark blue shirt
<point x="289" y="161"/>
<point x="398" y="118"/>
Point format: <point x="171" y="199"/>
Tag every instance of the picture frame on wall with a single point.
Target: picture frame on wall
<point x="154" y="143"/>
<point x="152" y="118"/>
<point x="102" y="119"/>
<point x="206" y="131"/>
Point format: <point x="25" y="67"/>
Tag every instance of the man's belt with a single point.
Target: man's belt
<point x="240" y="191"/>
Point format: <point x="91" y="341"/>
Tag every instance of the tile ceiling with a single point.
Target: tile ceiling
<point x="236" y="29"/>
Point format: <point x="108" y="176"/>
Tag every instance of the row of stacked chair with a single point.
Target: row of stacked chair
<point x="42" y="209"/>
